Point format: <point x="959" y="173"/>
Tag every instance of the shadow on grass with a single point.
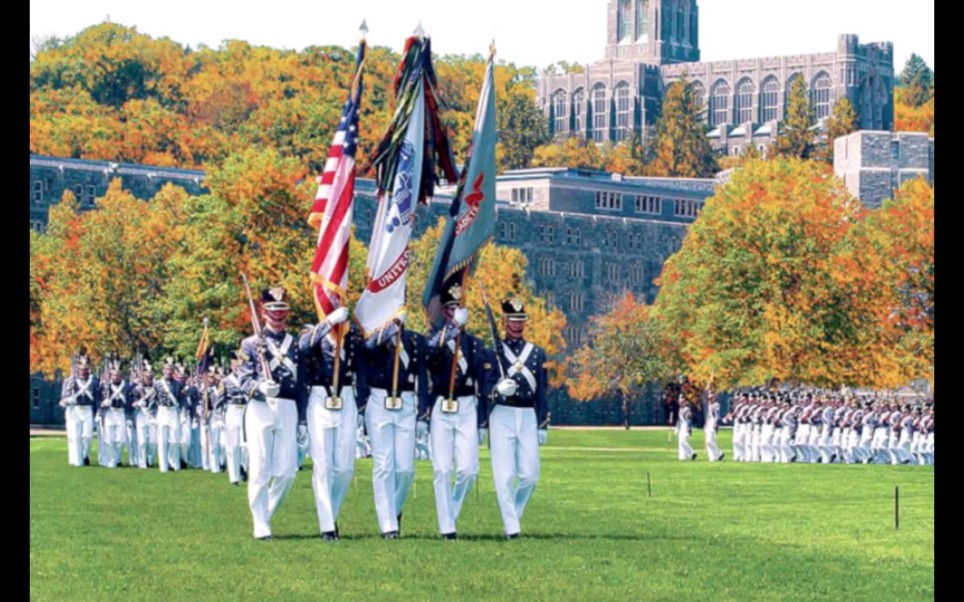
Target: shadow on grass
<point x="492" y="537"/>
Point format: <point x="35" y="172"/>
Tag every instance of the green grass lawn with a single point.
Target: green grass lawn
<point x="723" y="531"/>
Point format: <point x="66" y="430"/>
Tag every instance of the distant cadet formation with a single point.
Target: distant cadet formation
<point x="828" y="427"/>
<point x="285" y="397"/>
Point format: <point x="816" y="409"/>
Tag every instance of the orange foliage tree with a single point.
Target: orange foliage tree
<point x="775" y="280"/>
<point x="626" y="351"/>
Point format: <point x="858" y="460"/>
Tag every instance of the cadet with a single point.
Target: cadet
<point x="392" y="375"/>
<point x="79" y="395"/>
<point x="275" y="416"/>
<point x="710" y="428"/>
<point x="235" y="400"/>
<point x="332" y="415"/>
<point x="116" y="395"/>
<point x="517" y="385"/>
<point x="168" y="395"/>
<point x="458" y="419"/>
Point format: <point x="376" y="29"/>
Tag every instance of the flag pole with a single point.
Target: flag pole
<point x="458" y="341"/>
<point x="207" y="444"/>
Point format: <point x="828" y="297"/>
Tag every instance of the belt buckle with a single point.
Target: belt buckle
<point x="450" y="406"/>
<point x="333" y="403"/>
<point x="393" y="403"/>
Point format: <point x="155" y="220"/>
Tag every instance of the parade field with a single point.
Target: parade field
<point x="723" y="531"/>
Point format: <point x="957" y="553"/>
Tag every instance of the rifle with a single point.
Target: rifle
<point x="492" y="328"/>
<point x="256" y="325"/>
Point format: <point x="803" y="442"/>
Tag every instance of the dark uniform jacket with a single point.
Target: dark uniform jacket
<point x="468" y="379"/>
<point x="525" y="396"/>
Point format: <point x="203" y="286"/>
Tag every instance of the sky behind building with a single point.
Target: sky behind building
<point x="529" y="32"/>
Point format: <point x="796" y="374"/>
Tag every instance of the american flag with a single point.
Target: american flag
<point x="332" y="210"/>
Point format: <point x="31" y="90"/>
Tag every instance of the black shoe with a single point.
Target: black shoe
<point x="451" y="535"/>
<point x="244" y="474"/>
<point x="235" y="483"/>
<point x="86" y="461"/>
<point x="390" y="535"/>
<point x="183" y="465"/>
<point x="329" y="536"/>
<point x="722" y="456"/>
<point x="264" y="538"/>
<point x="693" y="457"/>
<point x="512" y="536"/>
<point x="832" y="458"/>
<point x="336" y="530"/>
<point x="398" y="519"/>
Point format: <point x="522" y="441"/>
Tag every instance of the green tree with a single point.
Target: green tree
<point x="795" y="138"/>
<point x="522" y="127"/>
<point x="679" y="147"/>
<point x="918" y="79"/>
<point x="842" y="122"/>
<point x="569" y="151"/>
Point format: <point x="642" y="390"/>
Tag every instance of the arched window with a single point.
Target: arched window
<point x="771" y="98"/>
<point x="624" y="114"/>
<point x="642" y="20"/>
<point x="560" y="115"/>
<point x="720" y="104"/>
<point x="820" y="95"/>
<point x="578" y="108"/>
<point x="699" y="98"/>
<point x="744" y="101"/>
<point x="600" y="119"/>
<point x="680" y="24"/>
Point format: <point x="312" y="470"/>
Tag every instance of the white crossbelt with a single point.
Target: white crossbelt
<point x="463" y="365"/>
<point x="279" y="356"/>
<point x="116" y="392"/>
<point x="517" y="365"/>
<point x="403" y="355"/>
<point x="83" y="390"/>
<point x="167" y="389"/>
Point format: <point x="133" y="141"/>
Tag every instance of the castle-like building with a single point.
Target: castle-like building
<point x="652" y="43"/>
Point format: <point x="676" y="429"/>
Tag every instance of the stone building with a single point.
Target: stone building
<point x="873" y="163"/>
<point x="652" y="43"/>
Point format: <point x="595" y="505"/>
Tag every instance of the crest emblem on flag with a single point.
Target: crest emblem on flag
<point x="400" y="209"/>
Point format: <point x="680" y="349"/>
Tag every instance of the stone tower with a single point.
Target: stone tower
<point x="659" y="32"/>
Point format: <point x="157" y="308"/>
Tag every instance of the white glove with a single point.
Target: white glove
<point x="506" y="387"/>
<point x="105" y="404"/>
<point x="338" y="316"/>
<point x="421" y="429"/>
<point x="543" y="436"/>
<point x="482" y="436"/>
<point x="302" y="434"/>
<point x="400" y="318"/>
<point x="269" y="389"/>
<point x="461" y="316"/>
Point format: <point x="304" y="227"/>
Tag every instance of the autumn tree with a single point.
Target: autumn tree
<point x="795" y="137"/>
<point x="901" y="233"/>
<point x="772" y="281"/>
<point x="501" y="270"/>
<point x="569" y="151"/>
<point x="626" y="350"/>
<point x="679" y="148"/>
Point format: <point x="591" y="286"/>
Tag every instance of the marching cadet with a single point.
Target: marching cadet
<point x="168" y="399"/>
<point x="79" y="395"/>
<point x="893" y="451"/>
<point x="332" y="415"/>
<point x="235" y="402"/>
<point x="132" y="446"/>
<point x="188" y="433"/>
<point x="116" y="396"/>
<point x="145" y="416"/>
<point x="458" y="417"/>
<point x="392" y="376"/>
<point x="710" y="427"/>
<point x="684" y="428"/>
<point x="272" y="374"/>
<point x="209" y="413"/>
<point x="519" y="415"/>
<point x="827" y="413"/>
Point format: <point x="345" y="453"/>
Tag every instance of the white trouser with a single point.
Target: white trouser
<point x="331" y="440"/>
<point x="838" y="443"/>
<point x="813" y="443"/>
<point x="783" y="449"/>
<point x="233" y="435"/>
<point x="146" y="438"/>
<point x="713" y="451"/>
<point x="514" y="441"/>
<point x="186" y="437"/>
<point x="767" y="450"/>
<point x="211" y="453"/>
<point x="80" y="430"/>
<point x="132" y="445"/>
<point x="115" y="434"/>
<point x="168" y="435"/>
<point x="823" y="444"/>
<point x="800" y="444"/>
<point x="929" y="447"/>
<point x="392" y="434"/>
<point x="271" y="428"/>
<point x="455" y="451"/>
<point x="863" y="450"/>
<point x="878" y="446"/>
<point x="903" y="448"/>
<point x="683" y="447"/>
<point x="754" y="437"/>
<point x="739" y="433"/>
